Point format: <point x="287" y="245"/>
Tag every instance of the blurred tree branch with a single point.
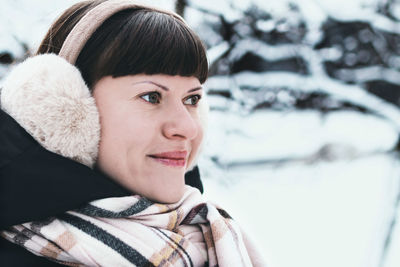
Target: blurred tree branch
<point x="385" y="8"/>
<point x="180" y="6"/>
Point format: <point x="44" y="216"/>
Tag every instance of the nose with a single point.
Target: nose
<point x="180" y="123"/>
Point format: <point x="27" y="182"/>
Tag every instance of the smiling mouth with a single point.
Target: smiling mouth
<point x="172" y="159"/>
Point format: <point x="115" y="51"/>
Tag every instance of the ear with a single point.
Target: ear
<point x="47" y="96"/>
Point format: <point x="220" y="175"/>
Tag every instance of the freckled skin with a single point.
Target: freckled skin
<point x="145" y="115"/>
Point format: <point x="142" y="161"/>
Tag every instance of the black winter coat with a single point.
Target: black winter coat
<point x="36" y="184"/>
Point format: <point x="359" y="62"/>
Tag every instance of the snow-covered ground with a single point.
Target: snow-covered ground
<point x="301" y="210"/>
<point x="312" y="190"/>
<point x="333" y="214"/>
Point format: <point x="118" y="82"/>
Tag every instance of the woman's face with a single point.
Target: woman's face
<point x="150" y="132"/>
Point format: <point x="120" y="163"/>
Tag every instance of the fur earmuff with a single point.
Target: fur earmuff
<point x="47" y="96"/>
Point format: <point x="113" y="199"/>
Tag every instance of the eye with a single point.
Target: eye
<point x="192" y="100"/>
<point x="152" y="97"/>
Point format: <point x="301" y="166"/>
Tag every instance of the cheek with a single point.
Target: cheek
<point x="123" y="144"/>
<point x="121" y="133"/>
<point x="196" y="144"/>
<point x="111" y="142"/>
<point x="199" y="139"/>
<point x="115" y="125"/>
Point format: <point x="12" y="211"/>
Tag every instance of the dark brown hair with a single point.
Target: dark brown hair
<point x="132" y="41"/>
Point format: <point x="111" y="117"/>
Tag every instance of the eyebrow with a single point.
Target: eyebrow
<point x="166" y="88"/>
<point x="195" y="89"/>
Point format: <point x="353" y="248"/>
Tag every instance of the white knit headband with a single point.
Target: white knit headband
<point x="87" y="25"/>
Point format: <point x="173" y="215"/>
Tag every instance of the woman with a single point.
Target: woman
<point x="144" y="68"/>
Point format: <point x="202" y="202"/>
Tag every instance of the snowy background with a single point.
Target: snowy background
<point x="303" y="143"/>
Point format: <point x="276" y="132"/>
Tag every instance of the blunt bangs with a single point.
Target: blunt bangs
<point x="142" y="41"/>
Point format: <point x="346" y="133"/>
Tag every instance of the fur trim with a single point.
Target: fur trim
<point x="47" y="96"/>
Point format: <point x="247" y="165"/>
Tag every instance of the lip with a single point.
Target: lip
<point x="171" y="158"/>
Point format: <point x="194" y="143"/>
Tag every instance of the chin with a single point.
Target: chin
<point x="170" y="197"/>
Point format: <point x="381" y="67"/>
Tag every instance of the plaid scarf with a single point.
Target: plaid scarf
<point x="133" y="231"/>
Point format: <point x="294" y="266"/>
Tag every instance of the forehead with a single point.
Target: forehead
<point x="166" y="82"/>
